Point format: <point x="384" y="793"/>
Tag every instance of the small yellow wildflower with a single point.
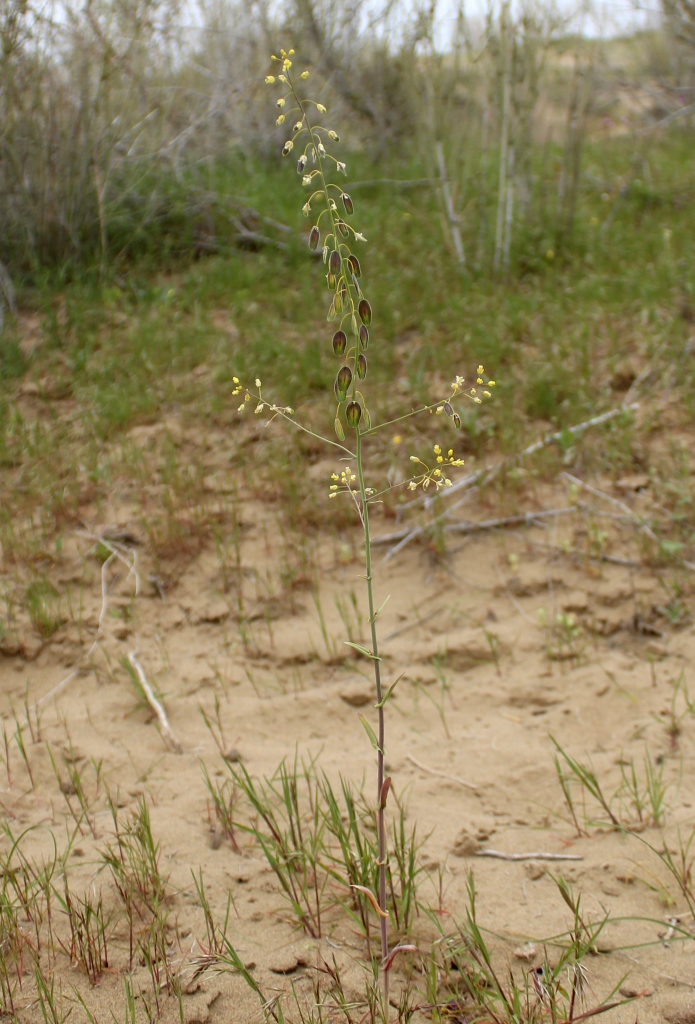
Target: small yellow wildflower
<point x="397" y="439"/>
<point x="257" y="382"/>
<point x="280" y="119"/>
<point x="304" y="75"/>
<point x="320" y="107"/>
<point x="269" y="79"/>
<point x="481" y="369"/>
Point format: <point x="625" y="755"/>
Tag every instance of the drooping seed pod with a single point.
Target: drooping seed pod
<point x="314" y="237"/>
<point x="339" y="342"/>
<point x="353" y="413"/>
<point x="342" y="383"/>
<point x="365" y="311"/>
<point x="448" y="409"/>
<point x="343" y="228"/>
<point x="334" y="261"/>
<point x="331" y="281"/>
<point x="347" y="203"/>
<point x="364" y="338"/>
<point x="338" y="302"/>
<point x="287" y="148"/>
<point x="301" y="164"/>
<point x="355" y="265"/>
<point x="338" y="426"/>
<point x="457" y="420"/>
<point x="361" y="366"/>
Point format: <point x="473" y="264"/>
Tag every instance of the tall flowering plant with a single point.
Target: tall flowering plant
<point x="330" y="208"/>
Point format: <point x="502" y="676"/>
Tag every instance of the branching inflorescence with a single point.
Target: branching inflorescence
<point x="330" y="207"/>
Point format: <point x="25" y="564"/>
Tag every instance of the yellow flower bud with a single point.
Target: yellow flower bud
<point x="304" y="74"/>
<point x="280" y="119"/>
<point x="280" y="102"/>
<point x="269" y="79"/>
<point x="320" y="107"/>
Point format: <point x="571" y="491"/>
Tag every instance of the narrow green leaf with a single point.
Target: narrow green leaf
<point x="390" y="690"/>
<point x="362" y="650"/>
<point x="380" y="609"/>
<point x="370" y="733"/>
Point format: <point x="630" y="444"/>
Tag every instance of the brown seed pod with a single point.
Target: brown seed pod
<point x="314" y="237"/>
<point x="355" y="264"/>
<point x="342" y="383"/>
<point x="448" y="409"/>
<point x="347" y="203"/>
<point x="343" y="228"/>
<point x="361" y="366"/>
<point x="353" y="413"/>
<point x="301" y="164"/>
<point x="365" y="311"/>
<point x="339" y="343"/>
<point x="364" y="337"/>
<point x="334" y="261"/>
<point x="457" y="420"/>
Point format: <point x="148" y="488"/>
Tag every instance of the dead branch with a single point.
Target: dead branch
<point x="527" y="856"/>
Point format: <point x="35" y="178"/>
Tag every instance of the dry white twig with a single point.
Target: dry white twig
<point x="129" y="559"/>
<point x="441" y="775"/>
<point x="155" y="705"/>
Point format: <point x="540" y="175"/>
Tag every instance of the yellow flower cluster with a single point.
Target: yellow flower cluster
<point x="458" y="388"/>
<point x="261" y="403"/>
<point x="346" y="481"/>
<point x="434" y="474"/>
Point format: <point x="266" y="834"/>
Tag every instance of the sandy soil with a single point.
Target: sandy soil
<point x="471" y="762"/>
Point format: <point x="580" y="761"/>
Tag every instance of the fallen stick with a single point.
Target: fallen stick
<point x="441" y="775"/>
<point x="526" y="518"/>
<point x="528" y="856"/>
<point x="155" y="705"/>
<point x="613" y="559"/>
<point x="402" y="537"/>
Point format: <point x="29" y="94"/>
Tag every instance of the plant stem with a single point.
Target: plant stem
<point x="380" y="824"/>
<point x="405" y="416"/>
